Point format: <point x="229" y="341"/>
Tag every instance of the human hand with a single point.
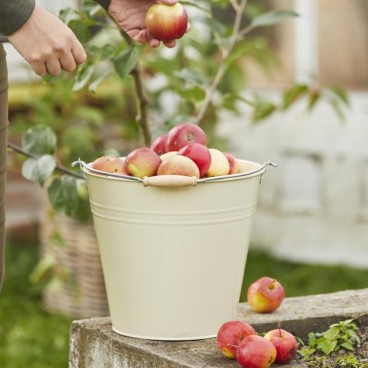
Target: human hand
<point x="130" y="16"/>
<point x="47" y="44"/>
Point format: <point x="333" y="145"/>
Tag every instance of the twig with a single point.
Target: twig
<point x="141" y="98"/>
<point x="58" y="167"/>
<point x="222" y="66"/>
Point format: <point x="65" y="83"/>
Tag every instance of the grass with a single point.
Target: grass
<point x="32" y="338"/>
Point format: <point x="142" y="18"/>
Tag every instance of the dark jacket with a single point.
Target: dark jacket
<point x="14" y="13"/>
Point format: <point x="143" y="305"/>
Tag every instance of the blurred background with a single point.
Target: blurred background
<point x="307" y="80"/>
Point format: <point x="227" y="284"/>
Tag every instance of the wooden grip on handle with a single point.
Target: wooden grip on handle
<point x="170" y="181"/>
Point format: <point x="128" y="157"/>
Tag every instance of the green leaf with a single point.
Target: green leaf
<point x="195" y="4"/>
<point x="343" y="97"/>
<point x="193" y="94"/>
<point x="39" y="140"/>
<point x="80" y="29"/>
<point x="93" y="86"/>
<point x="84" y="74"/>
<point x="332" y="333"/>
<point x="272" y="17"/>
<point x="40" y="169"/>
<point x="313" y="98"/>
<point x="311" y="340"/>
<point x="293" y="94"/>
<point x="263" y="110"/>
<point x="327" y="346"/>
<point x="347" y="345"/>
<point x="63" y="194"/>
<point x="127" y="61"/>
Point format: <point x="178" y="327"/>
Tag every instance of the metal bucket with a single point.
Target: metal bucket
<point x="173" y="249"/>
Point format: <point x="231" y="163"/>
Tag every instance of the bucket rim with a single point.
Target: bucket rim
<point x="259" y="170"/>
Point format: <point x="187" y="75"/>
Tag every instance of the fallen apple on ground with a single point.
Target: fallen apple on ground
<point x="178" y="165"/>
<point x="142" y="162"/>
<point x="255" y="352"/>
<point x="285" y="344"/>
<point x="265" y="295"/>
<point x="167" y="22"/>
<point x="230" y="335"/>
<point x="109" y="164"/>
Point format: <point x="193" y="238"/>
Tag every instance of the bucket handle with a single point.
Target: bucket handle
<point x="173" y="180"/>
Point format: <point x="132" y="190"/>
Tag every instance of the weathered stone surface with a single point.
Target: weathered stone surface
<point x="95" y="345"/>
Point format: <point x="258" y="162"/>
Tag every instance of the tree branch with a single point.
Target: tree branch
<point x="58" y="167"/>
<point x="239" y="9"/>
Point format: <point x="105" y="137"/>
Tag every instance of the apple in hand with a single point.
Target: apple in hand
<point x="285" y="343"/>
<point x="159" y="144"/>
<point x="167" y="22"/>
<point x="219" y="163"/>
<point x="110" y="164"/>
<point x="255" y="352"/>
<point x="230" y="335"/>
<point x="234" y="167"/>
<point x="183" y="134"/>
<point x="178" y="165"/>
<point x="265" y="295"/>
<point x="198" y="153"/>
<point x="142" y="162"/>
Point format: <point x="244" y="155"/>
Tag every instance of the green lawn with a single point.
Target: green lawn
<point x="32" y="338"/>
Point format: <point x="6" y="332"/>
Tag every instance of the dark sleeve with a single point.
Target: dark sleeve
<point x="104" y="3"/>
<point x="13" y="14"/>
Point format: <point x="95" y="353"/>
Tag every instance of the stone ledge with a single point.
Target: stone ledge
<point x="93" y="344"/>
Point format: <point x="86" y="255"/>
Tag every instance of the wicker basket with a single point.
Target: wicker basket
<point x="79" y="290"/>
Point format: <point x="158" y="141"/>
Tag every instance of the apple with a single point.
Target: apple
<point x="265" y="295"/>
<point x="230" y="335"/>
<point x="200" y="154"/>
<point x="183" y="134"/>
<point x="159" y="144"/>
<point x="109" y="164"/>
<point x="178" y="165"/>
<point x="166" y="155"/>
<point x="219" y="163"/>
<point x="234" y="167"/>
<point x="255" y="352"/>
<point x="285" y="343"/>
<point x="167" y="22"/>
<point x="142" y="162"/>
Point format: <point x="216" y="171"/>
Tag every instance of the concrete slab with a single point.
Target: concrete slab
<point x="93" y="344"/>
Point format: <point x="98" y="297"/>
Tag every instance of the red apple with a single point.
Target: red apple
<point x="230" y="335"/>
<point x="178" y="165"/>
<point x="265" y="295"/>
<point x="142" y="162"/>
<point x="183" y="134"/>
<point x="159" y="144"/>
<point x="167" y="22"/>
<point x="110" y="164"/>
<point x="219" y="163"/>
<point x="255" y="352"/>
<point x="285" y="343"/>
<point x="234" y="167"/>
<point x="200" y="154"/>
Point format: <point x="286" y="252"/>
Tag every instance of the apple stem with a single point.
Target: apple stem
<point x="279" y="327"/>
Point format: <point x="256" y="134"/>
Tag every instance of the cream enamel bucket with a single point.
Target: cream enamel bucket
<point x="173" y="249"/>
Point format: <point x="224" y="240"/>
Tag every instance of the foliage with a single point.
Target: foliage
<point x="339" y="337"/>
<point x="155" y="89"/>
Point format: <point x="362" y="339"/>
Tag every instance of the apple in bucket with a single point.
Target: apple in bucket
<point x="109" y="164"/>
<point x="167" y="22"/>
<point x="198" y="153"/>
<point x="142" y="162"/>
<point x="178" y="165"/>
<point x="159" y="144"/>
<point x="219" y="163"/>
<point x="183" y="134"/>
